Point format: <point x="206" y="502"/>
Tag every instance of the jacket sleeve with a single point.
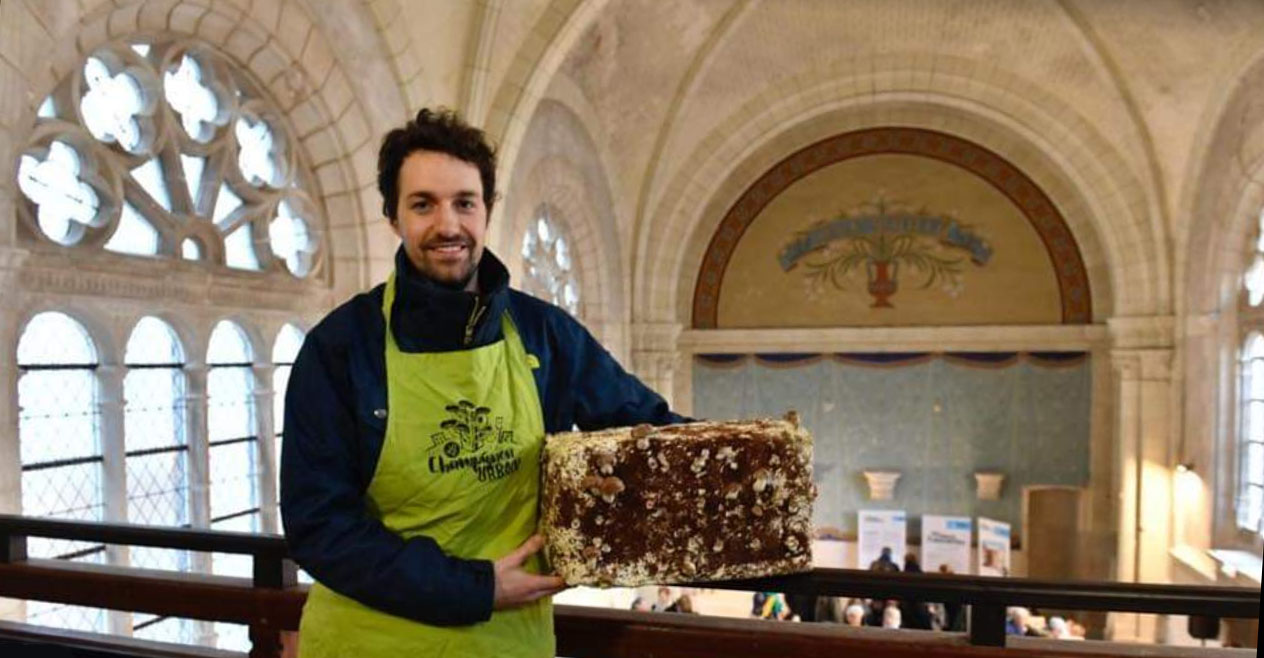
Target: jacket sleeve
<point x="328" y="527"/>
<point x="606" y="395"/>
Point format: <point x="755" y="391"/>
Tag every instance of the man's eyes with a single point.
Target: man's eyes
<point x="461" y="204"/>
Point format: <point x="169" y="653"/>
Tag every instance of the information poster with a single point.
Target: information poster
<point x="993" y="548"/>
<point x="881" y="529"/>
<point x="946" y="542"/>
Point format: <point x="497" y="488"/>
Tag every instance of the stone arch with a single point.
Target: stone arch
<point x="104" y="340"/>
<point x="555" y="32"/>
<point x="1103" y="201"/>
<point x="1222" y="201"/>
<point x="1039" y="211"/>
<point x="572" y="180"/>
<point x="1226" y="192"/>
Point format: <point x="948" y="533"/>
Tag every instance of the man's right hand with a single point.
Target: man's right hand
<point x="515" y="586"/>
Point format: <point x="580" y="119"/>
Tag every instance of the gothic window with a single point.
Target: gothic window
<point x="233" y="440"/>
<point x="1250" y="506"/>
<point x="60" y="448"/>
<point x="156" y="444"/>
<point x="1251" y="447"/>
<point x="546" y="257"/>
<point x="284" y="351"/>
<point x="167" y="150"/>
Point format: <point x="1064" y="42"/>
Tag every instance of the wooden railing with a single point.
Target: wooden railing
<point x="270" y="602"/>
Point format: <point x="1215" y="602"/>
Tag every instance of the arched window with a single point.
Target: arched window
<point x="156" y="457"/>
<point x="284" y="351"/>
<point x="166" y="150"/>
<point x="546" y="257"/>
<point x="232" y="438"/>
<point x="60" y="447"/>
<point x="1250" y="453"/>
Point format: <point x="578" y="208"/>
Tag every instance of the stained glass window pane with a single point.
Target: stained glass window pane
<point x="1255" y="421"/>
<point x="150" y="177"/>
<point x="290" y="240"/>
<point x="225" y="203"/>
<point x="153" y="342"/>
<point x="55" y="338"/>
<point x="193" y="168"/>
<point x="189" y="94"/>
<point x="228" y="345"/>
<point x="111" y="104"/>
<point x="547" y="263"/>
<point x="257" y="157"/>
<point x="190" y="249"/>
<point x="59" y="447"/>
<point x="134" y="235"/>
<point x="53" y="184"/>
<point x="239" y="249"/>
<point x="1255" y="463"/>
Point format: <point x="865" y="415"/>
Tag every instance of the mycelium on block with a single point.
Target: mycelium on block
<point x="692" y="502"/>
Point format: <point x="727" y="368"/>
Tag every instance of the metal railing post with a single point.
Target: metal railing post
<point x="987" y="625"/>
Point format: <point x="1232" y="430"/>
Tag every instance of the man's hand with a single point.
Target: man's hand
<point x="514" y="585"/>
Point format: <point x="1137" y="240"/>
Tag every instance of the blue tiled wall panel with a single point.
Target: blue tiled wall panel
<point x="936" y="421"/>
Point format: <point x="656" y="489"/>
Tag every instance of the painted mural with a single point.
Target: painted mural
<point x="876" y="241"/>
<point x="891" y="227"/>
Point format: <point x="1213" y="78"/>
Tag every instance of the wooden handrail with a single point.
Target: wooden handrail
<point x="270" y="606"/>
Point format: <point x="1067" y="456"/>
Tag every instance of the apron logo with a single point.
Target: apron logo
<point x="468" y="439"/>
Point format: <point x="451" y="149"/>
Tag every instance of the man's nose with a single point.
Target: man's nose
<point x="447" y="221"/>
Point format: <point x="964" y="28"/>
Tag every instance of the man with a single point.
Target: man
<point x="414" y="422"/>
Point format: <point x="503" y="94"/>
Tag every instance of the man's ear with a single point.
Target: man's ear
<point x="395" y="226"/>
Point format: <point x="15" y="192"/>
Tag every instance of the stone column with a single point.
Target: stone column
<point x="10" y="321"/>
<point x="10" y="454"/>
<point x="1143" y="430"/>
<point x="111" y="424"/>
<point x="654" y="355"/>
<point x="198" y="435"/>
<point x="266" y="453"/>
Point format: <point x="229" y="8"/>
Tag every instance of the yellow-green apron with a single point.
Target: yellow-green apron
<point x="459" y="464"/>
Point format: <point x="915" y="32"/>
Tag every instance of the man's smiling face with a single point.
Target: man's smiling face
<point x="440" y="216"/>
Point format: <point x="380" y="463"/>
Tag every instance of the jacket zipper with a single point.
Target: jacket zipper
<point x="473" y="321"/>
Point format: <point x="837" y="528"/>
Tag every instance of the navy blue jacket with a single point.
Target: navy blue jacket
<point x="335" y="422"/>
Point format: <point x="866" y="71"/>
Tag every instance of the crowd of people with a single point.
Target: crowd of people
<point x="874" y="612"/>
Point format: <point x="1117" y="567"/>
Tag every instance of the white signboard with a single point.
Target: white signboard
<point x="946" y="541"/>
<point x="881" y="529"/>
<point x="993" y="548"/>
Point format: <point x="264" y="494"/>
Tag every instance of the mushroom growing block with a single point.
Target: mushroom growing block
<point x="693" y="502"/>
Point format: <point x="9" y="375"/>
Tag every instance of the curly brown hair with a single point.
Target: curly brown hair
<point x="443" y="131"/>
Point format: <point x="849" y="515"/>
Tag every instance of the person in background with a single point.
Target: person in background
<point x="803" y="605"/>
<point x="953" y="620"/>
<point x="884" y="562"/>
<point x="664" y="601"/>
<point x="891" y="617"/>
<point x="915" y="614"/>
<point x="854" y="615"/>
<point x="684" y="604"/>
<point x="1018" y="622"/>
<point x="829" y="609"/>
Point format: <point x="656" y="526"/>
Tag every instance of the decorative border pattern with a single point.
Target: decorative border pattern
<point x="1040" y="211"/>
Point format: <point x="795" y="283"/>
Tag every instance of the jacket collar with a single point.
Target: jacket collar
<point x="429" y="317"/>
